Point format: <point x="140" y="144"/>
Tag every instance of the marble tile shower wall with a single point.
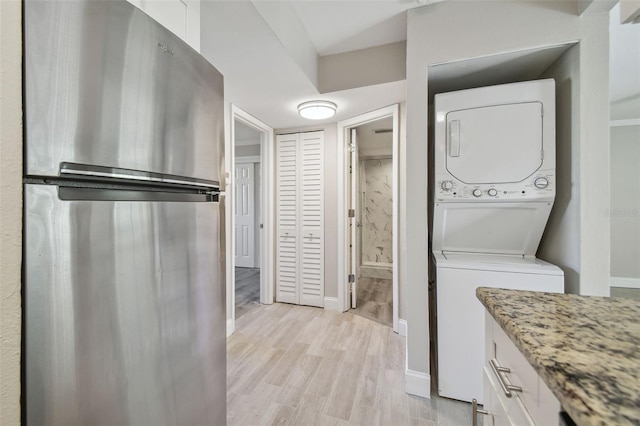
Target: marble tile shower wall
<point x="377" y="212"/>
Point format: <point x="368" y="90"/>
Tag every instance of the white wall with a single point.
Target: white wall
<point x="625" y="202"/>
<point x="560" y="244"/>
<point x="364" y="67"/>
<point x="247" y="150"/>
<point x="330" y="203"/>
<point x="624" y="67"/>
<point x="451" y="31"/>
<point x="10" y="209"/>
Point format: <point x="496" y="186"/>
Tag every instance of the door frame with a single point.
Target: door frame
<point x="344" y="128"/>
<point x="267" y="207"/>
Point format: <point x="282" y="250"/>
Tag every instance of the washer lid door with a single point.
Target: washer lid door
<point x="495" y="144"/>
<point x="489" y="227"/>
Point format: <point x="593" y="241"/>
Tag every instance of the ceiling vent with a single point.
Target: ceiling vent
<point x="376" y="131"/>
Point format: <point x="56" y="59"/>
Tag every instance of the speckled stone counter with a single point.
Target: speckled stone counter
<point x="586" y="349"/>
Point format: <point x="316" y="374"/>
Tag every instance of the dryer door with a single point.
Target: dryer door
<point x="495" y="144"/>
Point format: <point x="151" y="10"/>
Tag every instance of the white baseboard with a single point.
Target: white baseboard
<point x="417" y="383"/>
<point x="624" y="282"/>
<point x="331" y="304"/>
<point x="402" y="327"/>
<point x="629" y="122"/>
<point x="230" y="327"/>
<point x="377" y="265"/>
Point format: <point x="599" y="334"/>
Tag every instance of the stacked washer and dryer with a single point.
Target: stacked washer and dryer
<point x="494" y="188"/>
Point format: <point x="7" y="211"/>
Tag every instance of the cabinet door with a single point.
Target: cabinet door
<point x="287" y="247"/>
<point x="312" y="218"/>
<point x="181" y="17"/>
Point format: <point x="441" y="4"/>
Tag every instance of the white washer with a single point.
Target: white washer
<point x="494" y="190"/>
<point x="461" y="315"/>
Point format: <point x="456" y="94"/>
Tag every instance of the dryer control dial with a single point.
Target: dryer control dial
<point x="447" y="185"/>
<point x="492" y="192"/>
<point x="477" y="193"/>
<point x="541" y="182"/>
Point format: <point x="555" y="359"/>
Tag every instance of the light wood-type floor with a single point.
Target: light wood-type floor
<point x="375" y="300"/>
<point x="247" y="290"/>
<point x="627" y="293"/>
<point x="298" y="365"/>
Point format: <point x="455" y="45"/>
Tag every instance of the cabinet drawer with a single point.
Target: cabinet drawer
<point x="521" y="374"/>
<point x="502" y="410"/>
<point x="537" y="399"/>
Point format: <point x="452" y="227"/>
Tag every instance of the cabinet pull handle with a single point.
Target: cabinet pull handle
<point x="475" y="411"/>
<point x="506" y="386"/>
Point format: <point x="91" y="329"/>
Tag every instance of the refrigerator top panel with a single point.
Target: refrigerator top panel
<point x="496" y="263"/>
<point x="495" y="228"/>
<point x="496" y="143"/>
<point x="106" y="85"/>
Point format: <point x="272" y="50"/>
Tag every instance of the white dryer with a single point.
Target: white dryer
<point x="494" y="190"/>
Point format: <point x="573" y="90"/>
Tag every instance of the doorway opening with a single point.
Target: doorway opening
<point x="250" y="220"/>
<point x="371" y="180"/>
<point x="368" y="216"/>
<point x="247" y="217"/>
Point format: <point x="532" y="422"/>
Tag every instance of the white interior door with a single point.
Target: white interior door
<point x="288" y="246"/>
<point x="244" y="215"/>
<point x="312" y="219"/>
<point x="353" y="219"/>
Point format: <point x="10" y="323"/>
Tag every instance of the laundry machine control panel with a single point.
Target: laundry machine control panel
<point x="539" y="187"/>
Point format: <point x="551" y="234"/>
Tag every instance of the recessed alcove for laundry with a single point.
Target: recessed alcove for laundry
<point x="559" y="61"/>
<point x="490" y="70"/>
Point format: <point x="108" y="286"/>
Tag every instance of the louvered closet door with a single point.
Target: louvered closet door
<point x="312" y="211"/>
<point x="287" y="253"/>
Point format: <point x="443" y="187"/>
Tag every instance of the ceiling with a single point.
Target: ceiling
<point x="268" y="52"/>
<point x="343" y="26"/>
<point x="260" y="59"/>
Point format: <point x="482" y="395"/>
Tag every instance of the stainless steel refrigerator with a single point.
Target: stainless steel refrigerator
<point x="124" y="292"/>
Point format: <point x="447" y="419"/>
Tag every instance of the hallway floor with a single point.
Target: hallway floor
<point x="298" y="365"/>
<point x="247" y="290"/>
<point x="375" y="300"/>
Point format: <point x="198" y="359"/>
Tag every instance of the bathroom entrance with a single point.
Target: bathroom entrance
<point x="372" y="204"/>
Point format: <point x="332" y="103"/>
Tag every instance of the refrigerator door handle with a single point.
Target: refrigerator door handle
<point x="67" y="193"/>
<point x="88" y="171"/>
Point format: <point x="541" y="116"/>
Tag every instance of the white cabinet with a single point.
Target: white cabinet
<point x="514" y="394"/>
<point x="300" y="241"/>
<point x="181" y="17"/>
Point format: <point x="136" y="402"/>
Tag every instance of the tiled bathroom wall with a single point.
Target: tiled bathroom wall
<point x="377" y="225"/>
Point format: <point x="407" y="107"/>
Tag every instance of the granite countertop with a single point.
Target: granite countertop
<point x="586" y="349"/>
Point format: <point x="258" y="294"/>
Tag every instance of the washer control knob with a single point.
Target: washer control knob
<point x="492" y="192"/>
<point x="477" y="193"/>
<point x="541" y="182"/>
<point x="447" y="185"/>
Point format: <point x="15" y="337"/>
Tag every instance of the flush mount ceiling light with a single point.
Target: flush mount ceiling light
<point x="317" y="110"/>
